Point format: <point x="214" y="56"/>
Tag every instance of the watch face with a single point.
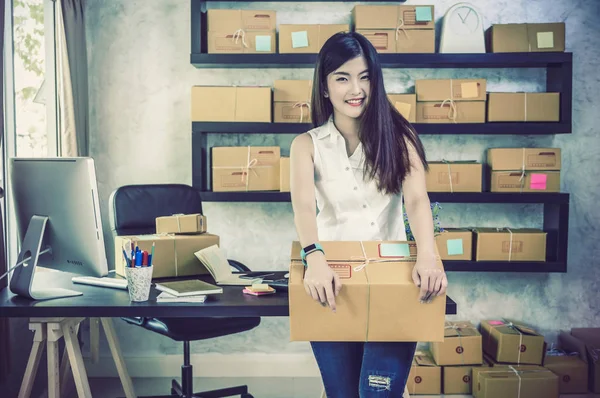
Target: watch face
<point x="309" y="247"/>
<point x="464" y="21"/>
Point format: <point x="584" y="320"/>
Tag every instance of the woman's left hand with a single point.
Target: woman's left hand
<point x="430" y="279"/>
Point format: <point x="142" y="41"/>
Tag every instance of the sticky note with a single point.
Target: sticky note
<point x="469" y="90"/>
<point x="423" y="14"/>
<point x="300" y="39"/>
<point x="394" y="250"/>
<point x="455" y="247"/>
<point x="263" y="43"/>
<point x="538" y="181"/>
<point x="403" y="108"/>
<point x="496" y="323"/>
<point x="545" y="39"/>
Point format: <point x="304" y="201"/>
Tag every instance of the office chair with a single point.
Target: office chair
<point x="133" y="210"/>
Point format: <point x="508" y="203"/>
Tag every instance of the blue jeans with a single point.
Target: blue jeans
<point x="364" y="370"/>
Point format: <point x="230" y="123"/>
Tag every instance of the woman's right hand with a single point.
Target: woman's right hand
<point x="320" y="281"/>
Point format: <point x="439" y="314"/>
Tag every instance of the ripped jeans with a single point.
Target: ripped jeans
<point x="364" y="370"/>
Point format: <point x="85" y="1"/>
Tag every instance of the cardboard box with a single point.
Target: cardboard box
<point x="523" y="107"/>
<point x="531" y="37"/>
<point x="257" y="42"/>
<point x="406" y="104"/>
<point x="518" y="381"/>
<point x="572" y="373"/>
<point x="394" y="42"/>
<point x="591" y="338"/>
<point x="425" y="376"/>
<point x="236" y="31"/>
<point x="292" y="101"/>
<point x="378" y="301"/>
<point x="284" y="174"/>
<point x="461" y="345"/>
<point x="512" y="342"/>
<point x="173" y="254"/>
<point x="440" y="112"/>
<point x="455" y="244"/>
<point x="241" y="169"/>
<point x="518" y="244"/>
<point x="532" y="181"/>
<point x="454" y="176"/>
<point x="458" y="379"/>
<point x="306" y="39"/>
<point x="181" y="224"/>
<point x="231" y="104"/>
<point x="512" y="159"/>
<point x="450" y="89"/>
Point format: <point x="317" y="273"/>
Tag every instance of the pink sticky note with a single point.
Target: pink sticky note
<point x="538" y="181"/>
<point x="496" y="323"/>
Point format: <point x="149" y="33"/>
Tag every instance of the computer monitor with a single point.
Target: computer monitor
<point x="57" y="208"/>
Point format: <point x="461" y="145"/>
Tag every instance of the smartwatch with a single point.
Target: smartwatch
<point x="309" y="249"/>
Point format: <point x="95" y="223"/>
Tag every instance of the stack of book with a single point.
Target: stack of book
<point x="189" y="291"/>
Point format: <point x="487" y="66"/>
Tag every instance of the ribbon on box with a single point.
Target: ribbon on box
<point x="449" y="174"/>
<point x="452" y="113"/>
<point x="302" y="104"/>
<point x="522" y="178"/>
<point x="251" y="165"/>
<point x="170" y="235"/>
<point x="510" y="241"/>
<point x="512" y="326"/>
<point x="400" y="28"/>
<point x="240" y="34"/>
<point x="517" y="372"/>
<point x="458" y="326"/>
<point x="178" y="221"/>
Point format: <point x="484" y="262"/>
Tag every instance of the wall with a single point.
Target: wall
<point x="140" y="79"/>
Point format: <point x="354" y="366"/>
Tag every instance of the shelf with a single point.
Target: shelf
<point x="437" y="60"/>
<point x="504" y="266"/>
<point x="516" y="128"/>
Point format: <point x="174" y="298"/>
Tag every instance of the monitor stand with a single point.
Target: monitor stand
<point x="21" y="282"/>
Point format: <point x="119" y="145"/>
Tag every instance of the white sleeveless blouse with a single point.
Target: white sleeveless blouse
<point x="349" y="206"/>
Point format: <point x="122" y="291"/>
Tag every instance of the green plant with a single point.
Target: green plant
<point x="437" y="228"/>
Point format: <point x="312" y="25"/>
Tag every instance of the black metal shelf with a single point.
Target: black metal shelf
<point x="504" y="266"/>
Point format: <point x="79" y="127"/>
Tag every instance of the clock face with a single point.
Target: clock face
<point x="464" y="21"/>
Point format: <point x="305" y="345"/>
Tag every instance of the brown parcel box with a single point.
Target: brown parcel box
<point x="231" y="104"/>
<point x="518" y="381"/>
<point x="284" y="174"/>
<point x="523" y="107"/>
<point x="173" y="254"/>
<point x="235" y="31"/>
<point x="458" y="379"/>
<point x="511" y="159"/>
<point x="450" y="89"/>
<point x="531" y="181"/>
<point x="461" y="346"/>
<point x="459" y="112"/>
<point x="396" y="42"/>
<point x="291" y="101"/>
<point x="512" y="342"/>
<point x="455" y="244"/>
<point x="425" y="376"/>
<point x="454" y="176"/>
<point x="181" y="224"/>
<point x="317" y="36"/>
<point x="532" y="37"/>
<point x="508" y="244"/>
<point x="240" y="169"/>
<point x="378" y="302"/>
<point x="591" y="338"/>
<point x="569" y="363"/>
<point x="406" y="104"/>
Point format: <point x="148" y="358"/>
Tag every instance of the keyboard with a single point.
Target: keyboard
<point x="114" y="283"/>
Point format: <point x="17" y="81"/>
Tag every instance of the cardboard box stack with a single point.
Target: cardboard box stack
<point x="181" y="224"/>
<point x="524" y="169"/>
<point x="455" y="244"/>
<point x="406" y="104"/>
<point x="523" y="107"/>
<point x="590" y="337"/>
<point x="241" y="31"/>
<point x="245" y="168"/>
<point x="454" y="176"/>
<point x="526" y="37"/>
<point x="451" y="100"/>
<point x="306" y="39"/>
<point x="397" y="29"/>
<point x="425" y="376"/>
<point x="292" y="101"/>
<point x="284" y="174"/>
<point x="569" y="362"/>
<point x="509" y="244"/>
<point x="231" y="104"/>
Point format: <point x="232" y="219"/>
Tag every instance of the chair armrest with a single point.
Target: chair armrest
<point x="238" y="266"/>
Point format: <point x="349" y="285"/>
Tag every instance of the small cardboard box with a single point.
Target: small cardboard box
<point x="530" y="37"/>
<point x="458" y="379"/>
<point x="406" y="104"/>
<point x="461" y="345"/>
<point x="181" y="224"/>
<point x="455" y="244"/>
<point x="231" y="104"/>
<point x="504" y="244"/>
<point x="454" y="176"/>
<point x="292" y="101"/>
<point x="450" y="89"/>
<point x="512" y="159"/>
<point x="251" y="168"/>
<point x="530" y="181"/>
<point x="512" y="342"/>
<point x="523" y="107"/>
<point x="254" y="42"/>
<point x="519" y="381"/>
<point x="378" y="301"/>
<point x="284" y="174"/>
<point x="306" y="39"/>
<point x="246" y="20"/>
<point x="392" y="42"/>
<point x="173" y="254"/>
<point x="425" y="376"/>
<point x="591" y="338"/>
<point x="572" y="372"/>
<point x="236" y="31"/>
<point x="460" y="112"/>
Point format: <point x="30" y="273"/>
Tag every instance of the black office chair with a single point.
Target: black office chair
<point x="133" y="210"/>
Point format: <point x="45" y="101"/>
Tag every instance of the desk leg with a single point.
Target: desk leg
<point x="53" y="369"/>
<point x="34" y="359"/>
<point x="79" y="374"/>
<point x="115" y="349"/>
<point x="65" y="370"/>
<point x="94" y="339"/>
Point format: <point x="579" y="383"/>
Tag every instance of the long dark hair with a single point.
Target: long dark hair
<point x="383" y="129"/>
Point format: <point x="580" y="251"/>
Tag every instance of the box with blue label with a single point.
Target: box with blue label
<point x="455" y="244"/>
<point x="378" y="300"/>
<point x="241" y="31"/>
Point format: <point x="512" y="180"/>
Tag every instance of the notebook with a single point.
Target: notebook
<point x="216" y="263"/>
<point x="192" y="287"/>
<point x="165" y="297"/>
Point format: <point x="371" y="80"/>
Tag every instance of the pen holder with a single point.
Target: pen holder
<point x="139" y="280"/>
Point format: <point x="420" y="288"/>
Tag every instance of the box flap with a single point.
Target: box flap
<point x="570" y="344"/>
<point x="460" y="328"/>
<point x="422" y="359"/>
<point x="506" y="326"/>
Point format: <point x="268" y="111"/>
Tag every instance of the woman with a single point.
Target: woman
<point x="357" y="163"/>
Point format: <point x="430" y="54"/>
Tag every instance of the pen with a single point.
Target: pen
<point x="144" y="258"/>
<point x="138" y="259"/>
<point x="151" y="256"/>
<point x="126" y="258"/>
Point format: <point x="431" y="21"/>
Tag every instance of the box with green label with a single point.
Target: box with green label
<point x="241" y="31"/>
<point x="526" y="37"/>
<point x="406" y="104"/>
<point x="306" y="39"/>
<point x="455" y="244"/>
